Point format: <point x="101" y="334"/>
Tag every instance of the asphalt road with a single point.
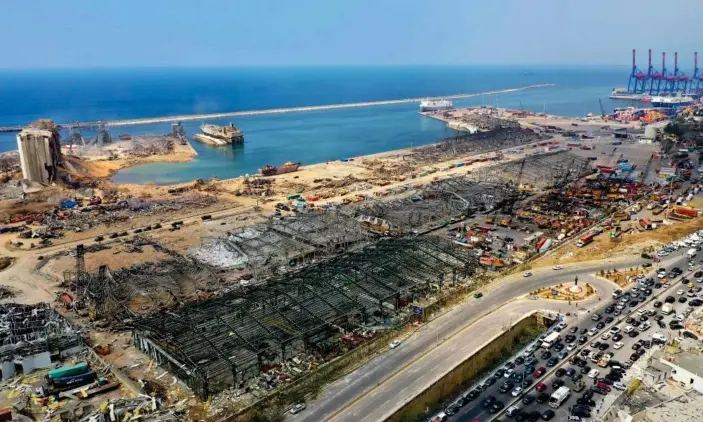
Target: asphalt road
<point x="381" y="386"/>
<point x="475" y="410"/>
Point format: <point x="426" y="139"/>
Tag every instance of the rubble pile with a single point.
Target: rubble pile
<point x="114" y="298"/>
<point x="145" y="146"/>
<point x="476" y="143"/>
<point x="9" y="162"/>
<point x="143" y="408"/>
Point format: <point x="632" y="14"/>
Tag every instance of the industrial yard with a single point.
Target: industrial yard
<point x="236" y="298"/>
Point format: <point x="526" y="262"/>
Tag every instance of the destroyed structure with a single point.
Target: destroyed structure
<point x="40" y="151"/>
<point x="32" y="336"/>
<point x="215" y="344"/>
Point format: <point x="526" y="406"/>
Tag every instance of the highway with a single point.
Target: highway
<point x="476" y="411"/>
<point x="375" y="390"/>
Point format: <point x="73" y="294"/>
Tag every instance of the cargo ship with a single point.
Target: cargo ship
<point x="269" y="170"/>
<point x="220" y="135"/>
<point x="623" y="94"/>
<point x="671" y="102"/>
<point x="436" y="105"/>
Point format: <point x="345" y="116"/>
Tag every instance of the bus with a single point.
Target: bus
<point x="559" y="396"/>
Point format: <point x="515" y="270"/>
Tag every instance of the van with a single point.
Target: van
<point x="659" y="338"/>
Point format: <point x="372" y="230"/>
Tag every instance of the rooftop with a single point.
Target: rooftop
<point x="691" y="362"/>
<point x="686" y="408"/>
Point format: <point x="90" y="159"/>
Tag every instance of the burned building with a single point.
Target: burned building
<point x="40" y="151"/>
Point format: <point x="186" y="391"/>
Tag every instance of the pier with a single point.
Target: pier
<point x="182" y="118"/>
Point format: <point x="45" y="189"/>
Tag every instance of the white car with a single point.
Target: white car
<point x="680" y="318"/>
<point x="679" y="292"/>
<point x="629" y="329"/>
<point x="618" y="345"/>
<point x="594" y="373"/>
<point x="593" y="331"/>
<point x="619" y="386"/>
<point x="394" y="344"/>
<point x="571" y="346"/>
<point x="614" y="330"/>
<point x="527" y="274"/>
<point x="641" y="312"/>
<point x="508" y="372"/>
<point x="297" y="408"/>
<point x="516" y="391"/>
<point x="557" y="267"/>
<point x="605" y="336"/>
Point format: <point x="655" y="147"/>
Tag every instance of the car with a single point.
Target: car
<point x="542" y="398"/>
<point x="634" y="334"/>
<point x="636" y="346"/>
<point x="563" y="355"/>
<point x="526" y="382"/>
<point x="683" y="299"/>
<point x="478" y="295"/>
<point x="593" y="331"/>
<point x="569" y="338"/>
<point x="600" y="325"/>
<point x="635" y="323"/>
<point x="609" y="319"/>
<point x="599" y="390"/>
<point x="540" y="387"/>
<point x="581" y="363"/>
<point x="595" y="343"/>
<point x="679" y="292"/>
<point x="557" y="383"/>
<point x="670" y="299"/>
<point x="519" y="360"/>
<point x="534" y="416"/>
<point x="552" y="362"/>
<point x="583" y="339"/>
<point x="521" y="416"/>
<point x="560" y="372"/>
<point x="394" y="344"/>
<point x="585" y="352"/>
<point x="617" y="337"/>
<point x="657" y="285"/>
<point x="516" y="391"/>
<point x="297" y="408"/>
<point x="496" y="407"/>
<point x="508" y="373"/>
<point x="634" y="303"/>
<point x="585" y="369"/>
<point x="605" y="381"/>
<point x="527" y="399"/>
<point x="539" y="372"/>
<point x="603" y="386"/>
<point x="490" y="381"/>
<point x="509" y="365"/>
<point x="596" y="317"/>
<point x="529" y="369"/>
<point x="472" y="395"/>
<point x="527" y="274"/>
<point x="588" y="394"/>
<point x="558" y="347"/>
<point x="573" y="329"/>
<point x="571" y="346"/>
<point x="547" y="415"/>
<point x="546" y="354"/>
<point x="618" y="345"/>
<point x="619" y="386"/>
<point x="634" y="357"/>
<point x="489" y="401"/>
<point x="583" y="331"/>
<point x="577" y="377"/>
<point x="557" y="267"/>
<point x="603" y="347"/>
<point x="593" y="373"/>
<point x="641" y="351"/>
<point x="512" y="411"/>
<point x="507" y="386"/>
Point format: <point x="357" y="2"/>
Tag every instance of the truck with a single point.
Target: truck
<point x="559" y="396"/>
<point x="646" y="224"/>
<point x="691" y="253"/>
<point x="667" y="309"/>
<point x="585" y="239"/>
<point x="549" y="341"/>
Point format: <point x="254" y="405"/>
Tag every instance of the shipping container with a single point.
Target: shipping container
<point x="66" y="371"/>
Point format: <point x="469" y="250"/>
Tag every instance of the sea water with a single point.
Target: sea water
<point x="309" y="137"/>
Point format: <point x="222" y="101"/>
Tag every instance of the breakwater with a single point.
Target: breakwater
<point x="189" y="117"/>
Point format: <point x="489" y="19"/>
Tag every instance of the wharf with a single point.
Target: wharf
<point x="181" y="118"/>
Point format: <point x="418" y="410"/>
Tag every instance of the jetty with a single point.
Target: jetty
<point x="187" y="117"/>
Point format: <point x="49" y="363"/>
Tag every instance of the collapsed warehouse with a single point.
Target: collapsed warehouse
<point x="218" y="343"/>
<point x="283" y="242"/>
<point x="507" y="136"/>
<point x="32" y="336"/>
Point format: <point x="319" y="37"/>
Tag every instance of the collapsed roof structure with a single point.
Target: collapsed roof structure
<point x="217" y="343"/>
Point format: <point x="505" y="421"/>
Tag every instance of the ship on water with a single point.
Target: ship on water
<point x="436" y="105"/>
<point x="623" y="94"/>
<point x="672" y="102"/>
<point x="269" y="170"/>
<point x="220" y="135"/>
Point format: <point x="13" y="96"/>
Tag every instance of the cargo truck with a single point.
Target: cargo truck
<point x="585" y="239"/>
<point x="667" y="309"/>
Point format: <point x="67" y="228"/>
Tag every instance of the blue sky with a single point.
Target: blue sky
<point x="110" y="33"/>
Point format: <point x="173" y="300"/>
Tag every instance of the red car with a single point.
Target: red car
<point x="540" y="387"/>
<point x="604" y="386"/>
<point x="539" y="372"/>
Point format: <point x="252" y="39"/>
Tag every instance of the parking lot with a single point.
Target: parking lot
<point x="628" y="334"/>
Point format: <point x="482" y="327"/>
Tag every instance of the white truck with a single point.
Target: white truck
<point x="549" y="341"/>
<point x="691" y="253"/>
<point x="667" y="309"/>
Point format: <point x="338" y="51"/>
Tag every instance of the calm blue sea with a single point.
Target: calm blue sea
<point x="309" y="137"/>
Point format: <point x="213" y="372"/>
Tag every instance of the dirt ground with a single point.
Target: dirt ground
<point x="634" y="243"/>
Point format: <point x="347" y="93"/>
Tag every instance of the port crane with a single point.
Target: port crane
<point x="602" y="109"/>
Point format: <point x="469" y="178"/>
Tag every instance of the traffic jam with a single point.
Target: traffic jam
<point x="567" y="371"/>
